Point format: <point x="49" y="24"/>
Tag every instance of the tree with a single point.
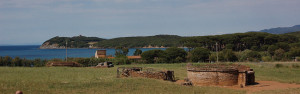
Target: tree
<point x="1" y="61"/>
<point x="229" y="55"/>
<point x="199" y="54"/>
<point x="138" y="52"/>
<point x="284" y="46"/>
<point x="229" y="46"/>
<point x="294" y="52"/>
<point x="153" y="56"/>
<point x="16" y="61"/>
<point x="253" y="56"/>
<point x="271" y="49"/>
<point x="7" y="61"/>
<point x="271" y="39"/>
<point x="121" y="51"/>
<point x="279" y="54"/>
<point x="175" y="55"/>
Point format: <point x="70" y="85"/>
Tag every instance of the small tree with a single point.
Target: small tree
<point x="253" y="56"/>
<point x="229" y="55"/>
<point x="294" y="52"/>
<point x="199" y="54"/>
<point x="7" y="61"/>
<point x="153" y="56"/>
<point x="175" y="55"/>
<point x="121" y="52"/>
<point x="138" y="52"/>
<point x="1" y="61"/>
<point x="271" y="49"/>
<point x="248" y="55"/>
<point x="279" y="54"/>
<point x="16" y="61"/>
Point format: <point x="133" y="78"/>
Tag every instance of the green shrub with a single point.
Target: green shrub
<point x="199" y="54"/>
<point x="279" y="65"/>
<point x="175" y="55"/>
<point x="151" y="56"/>
<point x="266" y="58"/>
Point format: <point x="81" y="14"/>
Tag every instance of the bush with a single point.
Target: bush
<point x="266" y="58"/>
<point x="121" y="61"/>
<point x="279" y="65"/>
<point x="249" y="55"/>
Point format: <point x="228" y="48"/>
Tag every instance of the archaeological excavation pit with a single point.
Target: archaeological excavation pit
<point x="220" y="75"/>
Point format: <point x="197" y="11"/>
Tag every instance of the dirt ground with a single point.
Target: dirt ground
<point x="260" y="86"/>
<point x="265" y="85"/>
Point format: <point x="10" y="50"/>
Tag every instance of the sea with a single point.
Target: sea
<point x="33" y="52"/>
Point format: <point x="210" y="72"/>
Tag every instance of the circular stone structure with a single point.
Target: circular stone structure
<point x="218" y="74"/>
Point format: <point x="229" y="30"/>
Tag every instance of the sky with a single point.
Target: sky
<point x="31" y="22"/>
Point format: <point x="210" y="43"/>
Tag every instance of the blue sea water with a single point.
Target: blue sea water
<point x="33" y="51"/>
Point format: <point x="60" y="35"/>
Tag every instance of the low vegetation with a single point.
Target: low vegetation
<point x="66" y="80"/>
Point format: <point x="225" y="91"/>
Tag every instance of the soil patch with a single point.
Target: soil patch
<point x="260" y="86"/>
<point x="265" y="85"/>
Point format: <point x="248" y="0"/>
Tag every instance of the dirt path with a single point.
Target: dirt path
<point x="265" y="85"/>
<point x="262" y="85"/>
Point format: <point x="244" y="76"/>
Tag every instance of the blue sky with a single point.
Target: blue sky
<point x="35" y="21"/>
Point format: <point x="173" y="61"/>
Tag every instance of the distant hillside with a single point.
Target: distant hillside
<point x="282" y="30"/>
<point x="73" y="42"/>
<point x="95" y="42"/>
<point x="148" y="41"/>
<point x="239" y="39"/>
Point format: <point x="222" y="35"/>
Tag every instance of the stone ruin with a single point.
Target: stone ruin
<point x="149" y="73"/>
<point x="105" y="65"/>
<point x="220" y="75"/>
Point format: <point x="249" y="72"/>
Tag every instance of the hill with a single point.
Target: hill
<point x="138" y="42"/>
<point x="95" y="42"/>
<point x="281" y="30"/>
<point x="240" y="41"/>
<point x="73" y="42"/>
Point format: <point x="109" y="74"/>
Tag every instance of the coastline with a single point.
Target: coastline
<point x="107" y="48"/>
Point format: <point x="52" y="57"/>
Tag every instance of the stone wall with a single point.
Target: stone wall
<point x="137" y="72"/>
<point x="213" y="78"/>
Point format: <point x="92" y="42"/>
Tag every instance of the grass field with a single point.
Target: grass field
<point x="83" y="80"/>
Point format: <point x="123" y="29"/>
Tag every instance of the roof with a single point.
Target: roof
<point x="134" y="57"/>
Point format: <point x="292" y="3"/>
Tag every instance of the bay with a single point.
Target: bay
<point x="33" y="52"/>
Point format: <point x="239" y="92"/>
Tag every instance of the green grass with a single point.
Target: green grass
<point x="62" y="80"/>
<point x="269" y="72"/>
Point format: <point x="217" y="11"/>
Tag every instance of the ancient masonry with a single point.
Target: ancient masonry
<point x="220" y="75"/>
<point x="149" y="73"/>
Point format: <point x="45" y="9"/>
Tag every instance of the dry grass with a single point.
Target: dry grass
<point x="63" y="80"/>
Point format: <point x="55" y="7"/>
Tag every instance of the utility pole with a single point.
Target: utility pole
<point x="66" y="50"/>
<point x="217" y="52"/>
